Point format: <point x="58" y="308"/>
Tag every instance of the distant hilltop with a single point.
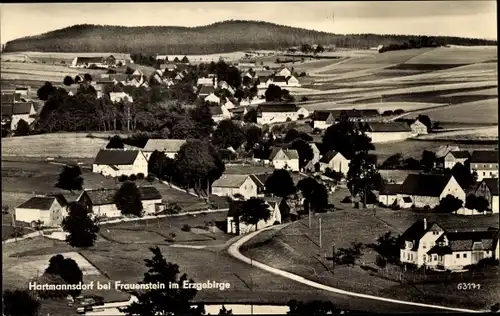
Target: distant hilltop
<point x="221" y="37"/>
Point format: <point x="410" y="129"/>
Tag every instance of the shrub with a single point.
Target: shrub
<point x="302" y="74"/>
<point x="427" y="207"/>
<point x="150" y="177"/>
<point x="132" y="177"/>
<point x="380" y="262"/>
<point x="186" y="228"/>
<point x="140" y="176"/>
<point x="276" y="223"/>
<point x="122" y="178"/>
<point x="304" y="99"/>
<point x="398" y="111"/>
<point x="395" y="207"/>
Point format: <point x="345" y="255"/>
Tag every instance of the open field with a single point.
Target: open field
<point x="482" y="133"/>
<point x="381" y="107"/>
<point x="456" y="55"/>
<point x="52" y="57"/>
<point x="296" y="249"/>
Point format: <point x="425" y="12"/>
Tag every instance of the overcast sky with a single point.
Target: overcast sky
<point x="455" y="18"/>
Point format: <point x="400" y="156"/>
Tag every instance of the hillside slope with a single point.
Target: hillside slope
<point x="219" y="37"/>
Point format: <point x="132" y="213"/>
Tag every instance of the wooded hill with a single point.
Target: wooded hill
<point x="227" y="36"/>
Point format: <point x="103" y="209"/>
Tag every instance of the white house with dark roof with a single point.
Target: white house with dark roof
<point x="322" y="119"/>
<point x="429" y="244"/>
<point x="282" y="158"/>
<point x="212" y="98"/>
<point x="101" y="202"/>
<point x="170" y="147"/>
<point x="13" y="113"/>
<point x="114" y="163"/>
<point x="454" y="157"/>
<point x="421" y="190"/>
<point x="231" y="184"/>
<point x="49" y="210"/>
<point x="235" y="226"/>
<point x="418" y="128"/>
<point x="388" y="132"/>
<point x="487" y="188"/>
<point x="268" y="113"/>
<point x="484" y="163"/>
<point x="335" y="161"/>
<point x="389" y="194"/>
<point x="120" y="96"/>
<point x="285" y="72"/>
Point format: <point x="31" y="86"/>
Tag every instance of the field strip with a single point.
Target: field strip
<point x="234" y="252"/>
<point x="492" y="91"/>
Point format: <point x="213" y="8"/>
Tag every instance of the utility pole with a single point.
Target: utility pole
<point x="309" y="211"/>
<point x="14" y="226"/>
<point x="208" y="191"/>
<point x="128" y="118"/>
<point x="320" y="233"/>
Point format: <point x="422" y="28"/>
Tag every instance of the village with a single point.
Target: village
<point x="238" y="138"/>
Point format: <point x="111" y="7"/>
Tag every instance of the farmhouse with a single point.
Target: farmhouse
<point x="279" y="81"/>
<point x="430" y="245"/>
<point x="322" y="119"/>
<point x="291" y="81"/>
<point x="488" y="189"/>
<point x="120" y="96"/>
<point x="212" y="98"/>
<point x="115" y="163"/>
<point x="9" y="98"/>
<point x="354" y="115"/>
<point x="389" y="194"/>
<point x="421" y="190"/>
<point x="49" y="210"/>
<point x="260" y="181"/>
<point x="85" y="62"/>
<point x="170" y="147"/>
<point x="231" y="184"/>
<point x="16" y="112"/>
<point x="23" y="91"/>
<point x="284" y="159"/>
<point x="335" y="161"/>
<point x="418" y="128"/>
<point x="205" y="91"/>
<point x="274" y="113"/>
<point x="302" y="113"/>
<point x="101" y="202"/>
<point x="388" y="132"/>
<point x="285" y="72"/>
<point x="236" y="226"/>
<point x="206" y="82"/>
<point x="454" y="157"/>
<point x="484" y="163"/>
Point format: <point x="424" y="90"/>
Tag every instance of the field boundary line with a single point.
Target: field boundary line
<point x="234" y="252"/>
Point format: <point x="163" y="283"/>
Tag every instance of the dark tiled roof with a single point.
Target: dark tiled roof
<point x="116" y="157"/>
<point x="84" y="60"/>
<point x="107" y="196"/>
<point x="279" y="79"/>
<point x="290" y="153"/>
<point x="321" y="115"/>
<point x="16" y="108"/>
<point x="492" y="183"/>
<point x="150" y="193"/>
<point x="425" y="184"/>
<point x="355" y="113"/>
<point x="390" y="189"/>
<point x="278" y="107"/>
<point x="38" y="203"/>
<point x="216" y="110"/>
<point x="11" y="97"/>
<point x="328" y="156"/>
<point x="462" y="154"/>
<point x="484" y="156"/>
<point x="389" y="127"/>
<point x="259" y="180"/>
<point x="416" y="231"/>
<point x="461" y="241"/>
<point x="206" y="90"/>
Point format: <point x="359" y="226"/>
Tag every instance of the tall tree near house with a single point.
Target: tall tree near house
<point x="228" y="133"/>
<point x="250" y="116"/>
<point x="424" y="119"/>
<point x="81" y="227"/>
<point x="204" y="123"/>
<point x="70" y="178"/>
<point x="253" y="135"/>
<point x="315" y="194"/>
<point x="20" y="303"/>
<point x="304" y="150"/>
<point x="67" y="269"/>
<point x="239" y="94"/>
<point x="128" y="199"/>
<point x="428" y="160"/>
<point x="280" y="183"/>
<point x="22" y="128"/>
<point x="363" y="176"/>
<point x="273" y="93"/>
<point x="291" y="135"/>
<point x="169" y="301"/>
<point x="45" y="91"/>
<point x="253" y="211"/>
<point x="129" y="71"/>
<point x="115" y="142"/>
<point x="68" y="81"/>
<point x="464" y="177"/>
<point x="157" y="164"/>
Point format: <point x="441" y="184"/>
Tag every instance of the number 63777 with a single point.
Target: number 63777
<point x="468" y="286"/>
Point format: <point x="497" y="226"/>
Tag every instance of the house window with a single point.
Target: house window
<point x="491" y="173"/>
<point x="464" y="255"/>
<point x="425" y="258"/>
<point x="458" y="255"/>
<point x="423" y="245"/>
<point x="490" y="165"/>
<point x="434" y="257"/>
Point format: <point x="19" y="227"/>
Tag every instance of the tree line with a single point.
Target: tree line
<point x="228" y="36"/>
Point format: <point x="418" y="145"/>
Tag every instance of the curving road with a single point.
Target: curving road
<point x="385" y="304"/>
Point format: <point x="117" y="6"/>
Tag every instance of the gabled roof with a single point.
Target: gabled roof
<point x="216" y="110"/>
<point x="321" y="115"/>
<point x="277" y="107"/>
<point x="353" y="113"/>
<point x="462" y="154"/>
<point x="416" y="231"/>
<point x="290" y="153"/>
<point x="89" y="60"/>
<point x="106" y="196"/>
<point x="42" y="202"/>
<point x="484" y="156"/>
<point x="259" y="179"/>
<point x="492" y="183"/>
<point x="329" y="156"/>
<point x="389" y="127"/>
<point x="230" y="181"/>
<point x="16" y="108"/>
<point x="425" y="184"/>
<point x="116" y="157"/>
<point x="165" y="145"/>
<point x="464" y="241"/>
<point x="445" y="149"/>
<point x="206" y="90"/>
<point x="11" y="97"/>
<point x="279" y="79"/>
<point x="390" y="189"/>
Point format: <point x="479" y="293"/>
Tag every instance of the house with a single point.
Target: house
<point x="236" y="226"/>
<point x="115" y="163"/>
<point x="16" y="112"/>
<point x="353" y="115"/>
<point x="389" y="194"/>
<point x="85" y="62"/>
<point x="291" y="81"/>
<point x="279" y="81"/>
<point x="488" y="189"/>
<point x="101" y="202"/>
<point x="260" y="181"/>
<point x="9" y="98"/>
<point x="335" y="161"/>
<point x="417" y="240"/>
<point x="396" y="175"/>
<point x="322" y="119"/>
<point x="49" y="210"/>
<point x="454" y="157"/>
<point x="484" y="163"/>
<point x="302" y="113"/>
<point x="418" y="128"/>
<point x="421" y="190"/>
<point x="273" y="113"/>
<point x="284" y="159"/>
<point x="169" y="67"/>
<point x="170" y="147"/>
<point x="212" y="98"/>
<point x="284" y="72"/>
<point x="23" y="91"/>
<point x="206" y="82"/>
<point x="206" y="91"/>
<point x="388" y="132"/>
<point x="120" y="96"/>
<point x="231" y="184"/>
<point x="219" y="113"/>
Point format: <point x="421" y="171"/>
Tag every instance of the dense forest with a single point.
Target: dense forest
<point x="228" y="36"/>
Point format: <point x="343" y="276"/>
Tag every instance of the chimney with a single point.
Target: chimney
<point x="425" y="223"/>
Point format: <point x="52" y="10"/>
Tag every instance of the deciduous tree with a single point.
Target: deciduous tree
<point x="128" y="199"/>
<point x="68" y="81"/>
<point x="81" y="227"/>
<point x="67" y="269"/>
<point x="363" y="176"/>
<point x="280" y="183"/>
<point x="23" y="128"/>
<point x="70" y="178"/>
<point x="304" y="150"/>
<point x="116" y="142"/>
<point x="315" y="194"/>
<point x="20" y="303"/>
<point x="254" y="210"/>
<point x="228" y="133"/>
